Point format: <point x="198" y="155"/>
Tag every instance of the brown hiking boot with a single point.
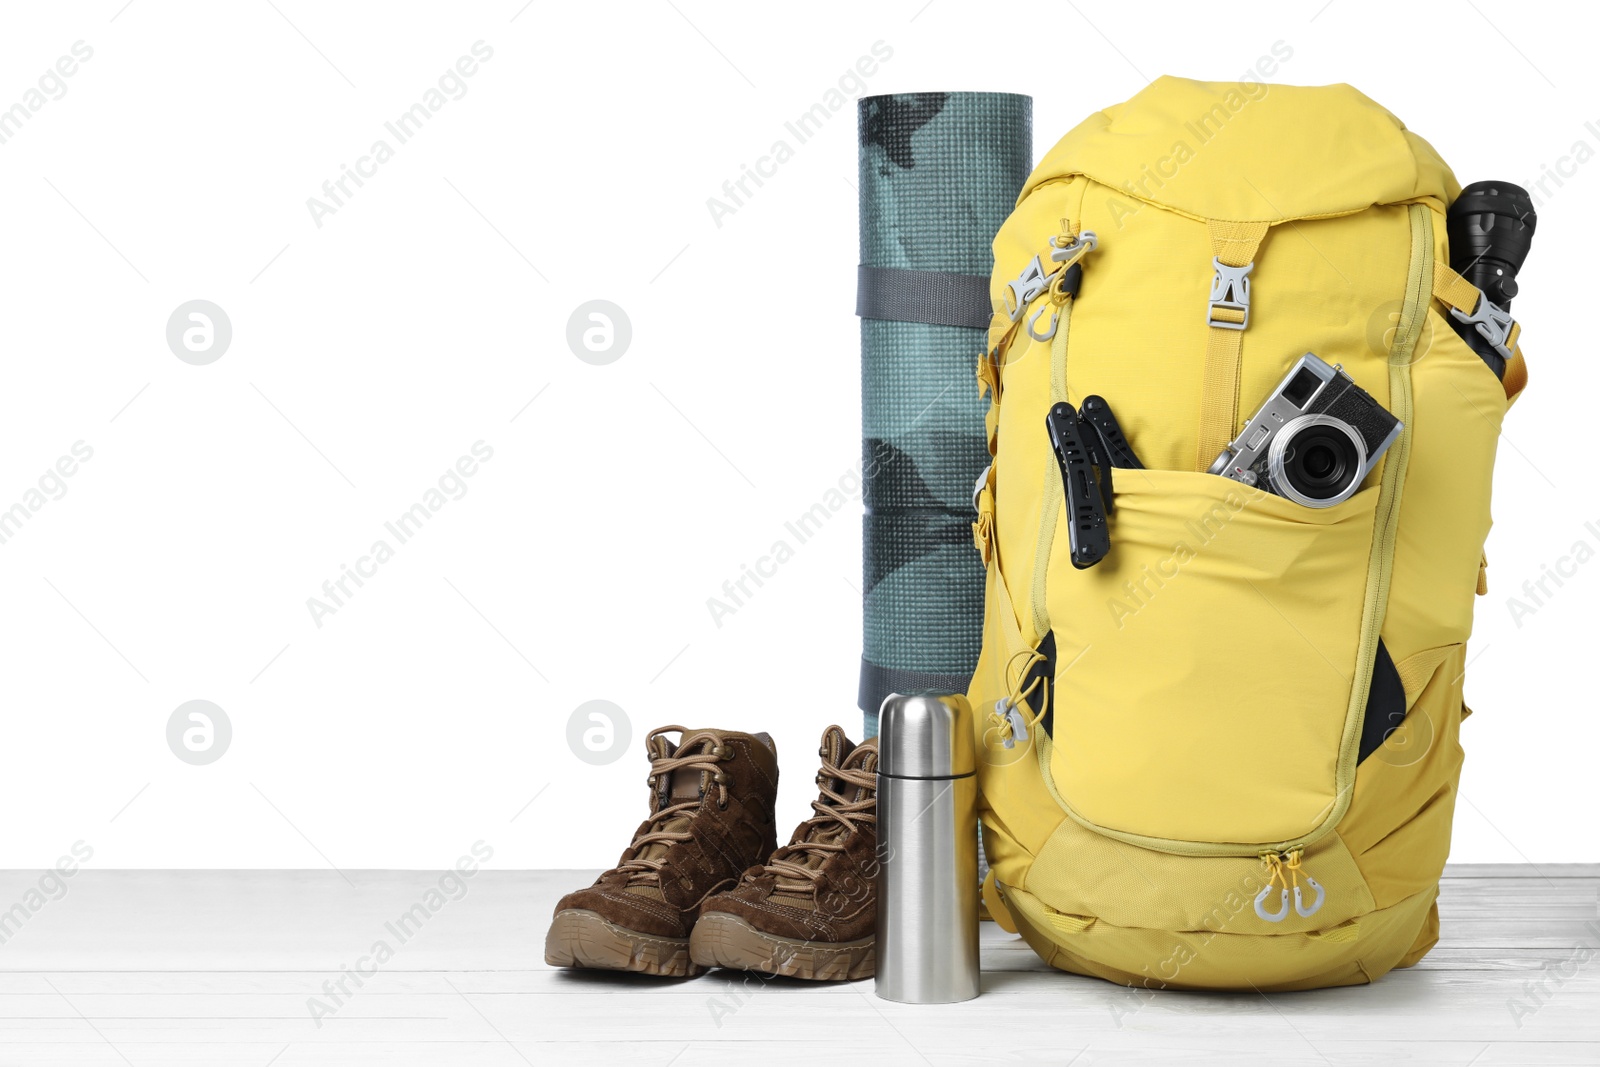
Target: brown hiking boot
<point x="711" y="801"/>
<point x="810" y="911"/>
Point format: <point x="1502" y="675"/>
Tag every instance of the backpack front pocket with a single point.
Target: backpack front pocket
<point x="1205" y="668"/>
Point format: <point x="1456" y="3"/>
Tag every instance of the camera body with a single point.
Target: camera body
<point x="1315" y="439"/>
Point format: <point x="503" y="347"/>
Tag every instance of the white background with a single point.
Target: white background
<point x="425" y="314"/>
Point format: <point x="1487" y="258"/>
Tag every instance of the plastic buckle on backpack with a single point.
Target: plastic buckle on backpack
<point x="1021" y="290"/>
<point x="1230" y="294"/>
<point x="1491" y="321"/>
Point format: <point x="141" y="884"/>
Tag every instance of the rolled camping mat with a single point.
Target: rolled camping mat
<point x="939" y="174"/>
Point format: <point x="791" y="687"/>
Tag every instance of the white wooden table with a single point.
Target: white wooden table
<point x="221" y="968"/>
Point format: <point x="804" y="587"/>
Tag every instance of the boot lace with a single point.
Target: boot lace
<point x="836" y="820"/>
<point x="701" y="751"/>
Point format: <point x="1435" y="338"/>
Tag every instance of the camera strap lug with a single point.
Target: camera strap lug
<point x="1229" y="308"/>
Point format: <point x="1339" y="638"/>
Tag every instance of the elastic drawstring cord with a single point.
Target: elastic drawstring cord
<point x="1293" y="867"/>
<point x="1016" y="695"/>
<point x="1274" y="864"/>
<point x="1284" y="870"/>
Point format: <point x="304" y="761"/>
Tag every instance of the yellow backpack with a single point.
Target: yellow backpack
<point x="1175" y="786"/>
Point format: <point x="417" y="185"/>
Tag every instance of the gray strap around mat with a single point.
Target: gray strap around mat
<point x="878" y="682"/>
<point x="935" y="297"/>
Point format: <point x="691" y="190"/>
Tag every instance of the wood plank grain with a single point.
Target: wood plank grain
<point x="223" y="967"/>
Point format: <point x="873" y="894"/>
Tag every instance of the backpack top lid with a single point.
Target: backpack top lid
<point x="1251" y="152"/>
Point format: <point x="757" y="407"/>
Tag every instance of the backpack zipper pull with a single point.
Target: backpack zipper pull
<point x="1275" y="880"/>
<point x="1295" y="871"/>
<point x="1284" y="872"/>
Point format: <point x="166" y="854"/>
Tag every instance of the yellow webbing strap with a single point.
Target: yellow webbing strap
<point x="1234" y="244"/>
<point x="1068" y="924"/>
<point x="1452" y="290"/>
<point x="994" y="905"/>
<point x="1516" y="378"/>
<point x="1343" y="934"/>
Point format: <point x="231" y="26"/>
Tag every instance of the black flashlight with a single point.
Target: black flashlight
<point x="1491" y="229"/>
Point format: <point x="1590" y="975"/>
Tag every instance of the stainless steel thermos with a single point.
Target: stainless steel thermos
<point x="927" y="944"/>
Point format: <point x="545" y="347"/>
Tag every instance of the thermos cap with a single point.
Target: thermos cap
<point x="926" y="737"/>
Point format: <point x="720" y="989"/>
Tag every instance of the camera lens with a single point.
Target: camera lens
<point x="1317" y="461"/>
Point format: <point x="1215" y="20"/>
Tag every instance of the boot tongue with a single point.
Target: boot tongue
<point x="687" y="783"/>
<point x="864" y="757"/>
<point x="682" y="785"/>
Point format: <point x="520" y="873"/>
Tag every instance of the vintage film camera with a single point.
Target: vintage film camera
<point x="1314" y="440"/>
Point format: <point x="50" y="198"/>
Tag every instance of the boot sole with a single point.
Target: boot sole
<point x="723" y="940"/>
<point x="581" y="938"/>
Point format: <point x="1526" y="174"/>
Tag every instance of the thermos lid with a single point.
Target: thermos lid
<point x="926" y="737"/>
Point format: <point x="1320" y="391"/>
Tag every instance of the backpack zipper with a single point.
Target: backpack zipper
<point x="1379" y="573"/>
